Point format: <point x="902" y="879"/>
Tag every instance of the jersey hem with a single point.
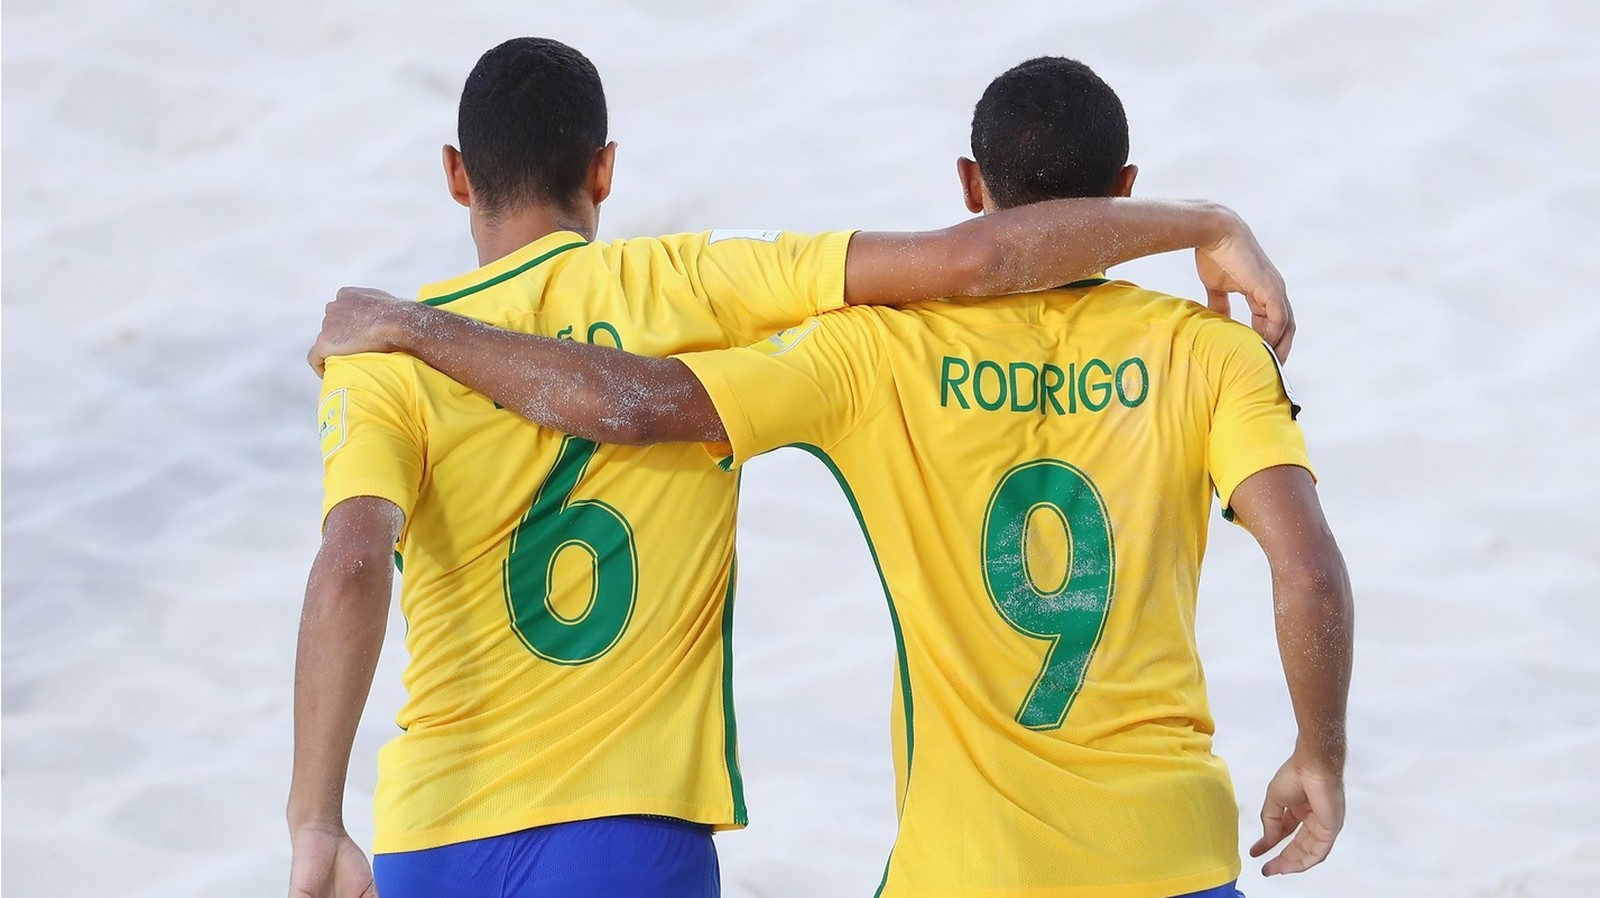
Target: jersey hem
<point x="1166" y="888"/>
<point x="439" y="836"/>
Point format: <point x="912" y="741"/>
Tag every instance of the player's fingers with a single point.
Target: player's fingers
<point x="1269" y="314"/>
<point x="316" y="359"/>
<point x="1306" y="850"/>
<point x="1285" y="343"/>
<point x="1276" y="333"/>
<point x="1276" y="822"/>
<point x="1278" y="294"/>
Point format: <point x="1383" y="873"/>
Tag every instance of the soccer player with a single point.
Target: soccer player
<point x="1034" y="476"/>
<point x="568" y="727"/>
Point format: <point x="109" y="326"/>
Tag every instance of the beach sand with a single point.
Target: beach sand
<point x="187" y="182"/>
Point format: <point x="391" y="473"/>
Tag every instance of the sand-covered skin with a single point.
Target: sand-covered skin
<point x="187" y="182"/>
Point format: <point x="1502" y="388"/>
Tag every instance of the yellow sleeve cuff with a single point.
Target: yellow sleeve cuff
<point x="835" y="250"/>
<point x="1254" y="463"/>
<point x="354" y="488"/>
<point x="735" y="451"/>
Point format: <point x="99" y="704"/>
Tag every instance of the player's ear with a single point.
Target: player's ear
<point x="600" y="169"/>
<point x="1123" y="184"/>
<point x="973" y="190"/>
<point x="455" y="176"/>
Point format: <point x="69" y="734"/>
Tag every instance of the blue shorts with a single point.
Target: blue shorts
<point x="657" y="857"/>
<point x="1231" y="890"/>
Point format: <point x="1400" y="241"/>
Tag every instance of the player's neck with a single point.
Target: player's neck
<point x="506" y="232"/>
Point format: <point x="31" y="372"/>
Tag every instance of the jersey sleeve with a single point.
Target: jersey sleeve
<point x="808" y="385"/>
<point x="372" y="444"/>
<point x="1253" y="421"/>
<point x="760" y="282"/>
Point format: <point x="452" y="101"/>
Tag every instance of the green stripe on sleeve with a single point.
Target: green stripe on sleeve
<point x="730" y="729"/>
<point x="894" y="620"/>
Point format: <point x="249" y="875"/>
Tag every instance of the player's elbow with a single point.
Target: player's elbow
<point x="1318" y="577"/>
<point x="343" y="574"/>
<point x="364" y="562"/>
<point x="975" y="265"/>
<point x="609" y="410"/>
<point x="630" y="429"/>
<point x="660" y="420"/>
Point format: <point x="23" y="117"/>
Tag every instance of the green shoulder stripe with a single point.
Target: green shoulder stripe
<point x="502" y="278"/>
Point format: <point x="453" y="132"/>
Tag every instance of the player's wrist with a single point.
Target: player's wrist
<point x="1322" y="754"/>
<point x="1219" y="225"/>
<point x="400" y="326"/>
<point x="323" y="811"/>
<point x="329" y="821"/>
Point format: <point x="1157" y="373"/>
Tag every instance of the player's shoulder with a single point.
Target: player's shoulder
<point x="860" y="327"/>
<point x="649" y="256"/>
<point x="687" y="241"/>
<point x="716" y="240"/>
<point x="1190" y="322"/>
<point x="648" y="244"/>
<point x="392" y="371"/>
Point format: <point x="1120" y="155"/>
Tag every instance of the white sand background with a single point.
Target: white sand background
<point x="187" y="181"/>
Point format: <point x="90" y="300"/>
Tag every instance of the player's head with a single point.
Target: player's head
<point x="532" y="127"/>
<point x="1047" y="129"/>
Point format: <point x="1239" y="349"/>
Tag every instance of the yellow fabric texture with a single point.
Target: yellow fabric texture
<point x="1034" y="475"/>
<point x="573" y="664"/>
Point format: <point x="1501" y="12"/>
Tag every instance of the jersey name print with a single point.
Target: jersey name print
<point x="1043" y="387"/>
<point x="1034" y="476"/>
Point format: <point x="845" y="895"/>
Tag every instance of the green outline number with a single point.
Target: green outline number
<point x="1071" y="615"/>
<point x="554" y="522"/>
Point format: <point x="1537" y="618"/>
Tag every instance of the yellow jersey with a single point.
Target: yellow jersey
<point x="1034" y="476"/>
<point x="567" y="604"/>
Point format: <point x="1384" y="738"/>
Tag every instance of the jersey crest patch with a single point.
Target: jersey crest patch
<point x="721" y="234"/>
<point x="785" y="340"/>
<point x="330" y="422"/>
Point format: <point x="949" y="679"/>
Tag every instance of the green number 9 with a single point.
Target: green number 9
<point x="1070" y="616"/>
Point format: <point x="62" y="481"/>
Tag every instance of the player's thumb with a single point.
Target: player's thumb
<point x="1219" y="301"/>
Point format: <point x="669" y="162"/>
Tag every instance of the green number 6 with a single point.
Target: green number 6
<point x="555" y="521"/>
<point x="1072" y="615"/>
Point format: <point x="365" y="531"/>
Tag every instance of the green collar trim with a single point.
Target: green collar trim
<point x="503" y="277"/>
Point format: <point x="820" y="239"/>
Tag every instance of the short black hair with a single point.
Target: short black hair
<point x="1048" y="129"/>
<point x="532" y="115"/>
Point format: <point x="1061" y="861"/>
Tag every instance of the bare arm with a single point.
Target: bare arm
<point x="1315" y="623"/>
<point x="595" y="392"/>
<point x="341" y="632"/>
<point x="1047" y="244"/>
<point x="612" y="397"/>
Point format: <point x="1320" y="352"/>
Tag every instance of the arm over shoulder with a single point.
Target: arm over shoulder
<point x="758" y="282"/>
<point x="809" y="385"/>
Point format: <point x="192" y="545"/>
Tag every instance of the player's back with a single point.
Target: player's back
<point x="566" y="602"/>
<point x="1034" y="474"/>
